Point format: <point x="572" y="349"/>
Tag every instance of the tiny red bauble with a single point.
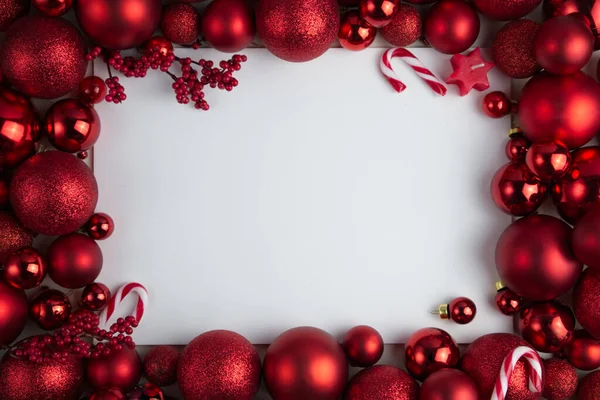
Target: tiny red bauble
<point x="561" y="380"/>
<point x="363" y="346"/>
<point x="462" y="310"/>
<point x="496" y="104"/>
<point x="512" y="49"/>
<point x="378" y="13"/>
<point x="586" y="238"/>
<point x="108" y="393"/>
<point x="586" y="10"/>
<point x="507" y="301"/>
<point x="10" y="10"/>
<point x="72" y="125"/>
<point x="548" y="326"/>
<point x="164" y="46"/>
<point x="95" y="296"/>
<point x="548" y="159"/>
<point x="13" y="302"/>
<point x="429" y="350"/>
<point x="449" y="384"/>
<point x="160" y="365"/>
<point x="506" y="10"/>
<point x="589" y="387"/>
<point x="583" y="352"/>
<point x="228" y="25"/>
<point x="92" y="90"/>
<point x="451" y="26"/>
<point x="13" y="235"/>
<point x="74" y="261"/>
<point x="100" y="226"/>
<point x="517" y="147"/>
<point x="53" y="8"/>
<point x="50" y="309"/>
<point x="355" y="32"/>
<point x="405" y="28"/>
<point x="122" y="369"/>
<point x="516" y="190"/>
<point x="146" y="391"/>
<point x="382" y="382"/>
<point x="25" y="269"/>
<point x="180" y="23"/>
<point x="586" y="298"/>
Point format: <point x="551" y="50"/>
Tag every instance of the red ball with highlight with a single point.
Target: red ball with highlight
<point x="462" y="310"/>
<point x="429" y="350"/>
<point x="160" y="365"/>
<point x="363" y="346"/>
<point x="14" y="317"/>
<point x="512" y="49"/>
<point x="548" y="326"/>
<point x="496" y="104"/>
<point x="587" y="11"/>
<point x="548" y="159"/>
<point x="508" y="302"/>
<point x="356" y="33"/>
<point x="50" y="309"/>
<point x="100" y="226"/>
<point x="378" y="13"/>
<point x="516" y="190"/>
<point x="121" y="369"/>
<point x="92" y="90"/>
<point x="449" y="384"/>
<point x="25" y="269"/>
<point x="74" y="261"/>
<point x="516" y="148"/>
<point x="53" y="8"/>
<point x="586" y="238"/>
<point x="451" y="26"/>
<point x="72" y="125"/>
<point x="95" y="297"/>
<point x="583" y="352"/>
<point x="561" y="379"/>
<point x="180" y="23"/>
<point x="228" y="25"/>
<point x="382" y="382"/>
<point x="17" y="143"/>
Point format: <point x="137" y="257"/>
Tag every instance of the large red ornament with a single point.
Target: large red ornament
<point x="74" y="261"/>
<point x="72" y="125"/>
<point x="292" y="359"/>
<point x="13" y="317"/>
<point x="13" y="235"/>
<point x="449" y="384"/>
<point x="586" y="238"/>
<point x="589" y="387"/>
<point x="548" y="326"/>
<point x="228" y="25"/>
<point x="355" y="32"/>
<point x="565" y="108"/>
<point x="180" y="23"/>
<point x="50" y="309"/>
<point x="561" y="380"/>
<point x="516" y="190"/>
<point x="451" y="26"/>
<point x="53" y="8"/>
<point x="219" y="365"/>
<point x="405" y="28"/>
<point x="382" y="382"/>
<point x="160" y="365"/>
<point x="10" y="10"/>
<point x="121" y="369"/>
<point x="118" y="24"/>
<point x="587" y="10"/>
<point x="496" y="104"/>
<point x="505" y="10"/>
<point x="583" y="352"/>
<point x="512" y="49"/>
<point x="378" y="13"/>
<point x="586" y="298"/>
<point x="95" y="297"/>
<point x="100" y="226"/>
<point x="548" y="159"/>
<point x="19" y="128"/>
<point x="429" y="350"/>
<point x="53" y="193"/>
<point x="297" y="30"/>
<point x="534" y="258"/>
<point x="363" y="346"/>
<point x="25" y="269"/>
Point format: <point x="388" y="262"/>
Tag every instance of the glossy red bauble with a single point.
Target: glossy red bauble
<point x="516" y="148"/>
<point x="95" y="297"/>
<point x="429" y="350"/>
<point x="13" y="302"/>
<point x="363" y="346"/>
<point x="449" y="384"/>
<point x="586" y="298"/>
<point x="496" y="104"/>
<point x="10" y="10"/>
<point x="146" y="391"/>
<point x="378" y="13"/>
<point x="505" y="10"/>
<point x="548" y="326"/>
<point x="382" y="382"/>
<point x="586" y="10"/>
<point x="355" y="32"/>
<point x="74" y="261"/>
<point x="13" y="235"/>
<point x="405" y="28"/>
<point x="512" y="49"/>
<point x="121" y="369"/>
<point x="548" y="159"/>
<point x="20" y="128"/>
<point x="50" y="309"/>
<point x="462" y="310"/>
<point x="72" y="125"/>
<point x="583" y="352"/>
<point x="180" y="23"/>
<point x="107" y="393"/>
<point x="228" y="25"/>
<point x="561" y="379"/>
<point x="508" y="302"/>
<point x="586" y="238"/>
<point x="100" y="226"/>
<point x="516" y="190"/>
<point x="92" y="90"/>
<point x="589" y="387"/>
<point x="160" y="365"/>
<point x="163" y="45"/>
<point x="24" y="269"/>
<point x="53" y="8"/>
<point x="451" y="26"/>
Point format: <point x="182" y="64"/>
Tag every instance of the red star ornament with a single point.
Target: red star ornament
<point x="470" y="72"/>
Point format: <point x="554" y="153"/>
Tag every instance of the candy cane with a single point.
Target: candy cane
<point x="410" y="59"/>
<point x="535" y="371"/>
<point x="116" y="301"/>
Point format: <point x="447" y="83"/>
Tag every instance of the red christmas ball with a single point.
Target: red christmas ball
<point x="586" y="10"/>
<point x="496" y="104"/>
<point x="297" y="30"/>
<point x="228" y="25"/>
<point x="517" y="147"/>
<point x="548" y="326"/>
<point x="50" y="309"/>
<point x="516" y="190"/>
<point x="18" y="114"/>
<point x="180" y="23"/>
<point x="589" y="387"/>
<point x="506" y="10"/>
<point x="92" y="90"/>
<point x="72" y="125"/>
<point x="462" y="310"/>
<point x="561" y="380"/>
<point x="534" y="258"/>
<point x="355" y="32"/>
<point x="95" y="297"/>
<point x="565" y="108"/>
<point x="108" y="393"/>
<point x="163" y="45"/>
<point x="449" y="384"/>
<point x="429" y="350"/>
<point x="378" y="13"/>
<point x="586" y="298"/>
<point x="382" y="382"/>
<point x="53" y="193"/>
<point x="508" y="302"/>
<point x="13" y="302"/>
<point x="121" y="369"/>
<point x="219" y="365"/>
<point x="583" y="352"/>
<point x="74" y="261"/>
<point x="451" y="26"/>
<point x="363" y="346"/>
<point x="25" y="269"/>
<point x="548" y="159"/>
<point x="100" y="226"/>
<point x="160" y="365"/>
<point x="146" y="391"/>
<point x="512" y="49"/>
<point x="586" y="238"/>
<point x="293" y="357"/>
<point x="53" y="8"/>
<point x="10" y="10"/>
<point x="405" y="28"/>
<point x="118" y="24"/>
<point x="13" y="235"/>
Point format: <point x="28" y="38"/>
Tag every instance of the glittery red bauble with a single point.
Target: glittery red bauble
<point x="92" y="90"/>
<point x="451" y="26"/>
<point x="483" y="359"/>
<point x="121" y="369"/>
<point x="589" y="387"/>
<point x="228" y="25"/>
<point x="548" y="326"/>
<point x="512" y="49"/>
<point x="10" y="10"/>
<point x="74" y="261"/>
<point x="405" y="28"/>
<point x="25" y="269"/>
<point x="378" y="13"/>
<point x="297" y="30"/>
<point x="219" y="365"/>
<point x="13" y="302"/>
<point x="53" y="193"/>
<point x="355" y="32"/>
<point x="53" y="8"/>
<point x="548" y="159"/>
<point x="118" y="24"/>
<point x="108" y="393"/>
<point x="505" y="10"/>
<point x="160" y="365"/>
<point x="72" y="125"/>
<point x="517" y="147"/>
<point x="516" y="190"/>
<point x="429" y="350"/>
<point x="363" y="346"/>
<point x="586" y="10"/>
<point x="100" y="226"/>
<point x="586" y="298"/>
<point x="583" y="352"/>
<point x="24" y="380"/>
<point x="586" y="238"/>
<point x="508" y="302"/>
<point x="43" y="57"/>
<point x="565" y="108"/>
<point x="50" y="309"/>
<point x="292" y="359"/>
<point x="13" y="235"/>
<point x="561" y="380"/>
<point x="95" y="296"/>
<point x="382" y="382"/>
<point x="180" y="23"/>
<point x="496" y="104"/>
<point x="534" y="258"/>
<point x="449" y="384"/>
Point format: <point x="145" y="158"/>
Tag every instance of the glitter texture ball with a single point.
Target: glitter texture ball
<point x="382" y="382"/>
<point x="160" y="365"/>
<point x="586" y="298"/>
<point x="561" y="379"/>
<point x="219" y="365"/>
<point x="589" y="387"/>
<point x="512" y="49"/>
<point x="13" y="235"/>
<point x="297" y="30"/>
<point x="405" y="28"/>
<point x="10" y="10"/>
<point x="180" y="23"/>
<point x="53" y="193"/>
<point x="43" y="57"/>
<point x="506" y="10"/>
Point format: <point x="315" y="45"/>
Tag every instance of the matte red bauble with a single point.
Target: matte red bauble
<point x="43" y="57"/>
<point x="589" y="387"/>
<point x="50" y="309"/>
<point x="74" y="261"/>
<point x="228" y="25"/>
<point x="10" y="10"/>
<point x="160" y="365"/>
<point x="534" y="258"/>
<point x="355" y="32"/>
<point x="405" y="28"/>
<point x="363" y="346"/>
<point x="586" y="298"/>
<point x="24" y="380"/>
<point x="548" y="326"/>
<point x="505" y="10"/>
<point x="378" y="13"/>
<point x="25" y="269"/>
<point x="118" y="24"/>
<point x="53" y="8"/>
<point x="429" y="350"/>
<point x="565" y="108"/>
<point x="508" y="302"/>
<point x="53" y="193"/>
<point x="20" y="128"/>
<point x="516" y="190"/>
<point x="586" y="238"/>
<point x="292" y="359"/>
<point x="496" y="104"/>
<point x="517" y="147"/>
<point x="180" y="23"/>
<point x="586" y="10"/>
<point x="451" y="26"/>
<point x="13" y="235"/>
<point x="219" y="365"/>
<point x="92" y="90"/>
<point x="121" y="369"/>
<point x="561" y="380"/>
<point x="297" y="30"/>
<point x="95" y="296"/>
<point x="449" y="384"/>
<point x="13" y="317"/>
<point x="548" y="159"/>
<point x="382" y="382"/>
<point x="512" y="49"/>
<point x="72" y="125"/>
<point x="100" y="226"/>
<point x="583" y="352"/>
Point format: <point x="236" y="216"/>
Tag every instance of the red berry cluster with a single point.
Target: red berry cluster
<point x="116" y="91"/>
<point x="94" y="53"/>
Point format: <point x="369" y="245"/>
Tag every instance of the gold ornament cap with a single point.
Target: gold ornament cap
<point x="499" y="286"/>
<point x="443" y="311"/>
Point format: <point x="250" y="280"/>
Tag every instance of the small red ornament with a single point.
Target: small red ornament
<point x="451" y="26"/>
<point x="92" y="90"/>
<point x="50" y="309"/>
<point x="355" y="32"/>
<point x="180" y="23"/>
<point x="512" y="49"/>
<point x="516" y="190"/>
<point x="95" y="296"/>
<point x="228" y="25"/>
<point x="382" y="382"/>
<point x="164" y="46"/>
<point x="507" y="301"/>
<point x="160" y="365"/>
<point x="363" y="346"/>
<point x="13" y="235"/>
<point x="587" y="10"/>
<point x="13" y="302"/>
<point x="108" y="393"/>
<point x="121" y="369"/>
<point x="429" y="350"/>
<point x="53" y="8"/>
<point x="147" y="391"/>
<point x="4" y="185"/>
<point x="24" y="269"/>
<point x="586" y="298"/>
<point x="72" y="125"/>
<point x="449" y="384"/>
<point x="10" y="10"/>
<point x="470" y="72"/>
<point x="589" y="387"/>
<point x="517" y="147"/>
<point x="461" y="310"/>
<point x="405" y="28"/>
<point x="74" y="261"/>
<point x="561" y="380"/>
<point x="100" y="226"/>
<point x="548" y="326"/>
<point x="378" y="13"/>
<point x="586" y="238"/>
<point x="548" y="159"/>
<point x="506" y="10"/>
<point x="583" y="352"/>
<point x="291" y="360"/>
<point x="496" y="104"/>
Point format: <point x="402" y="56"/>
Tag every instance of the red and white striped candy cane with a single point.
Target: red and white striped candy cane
<point x="409" y="58"/>
<point x="114" y="305"/>
<point x="534" y="364"/>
